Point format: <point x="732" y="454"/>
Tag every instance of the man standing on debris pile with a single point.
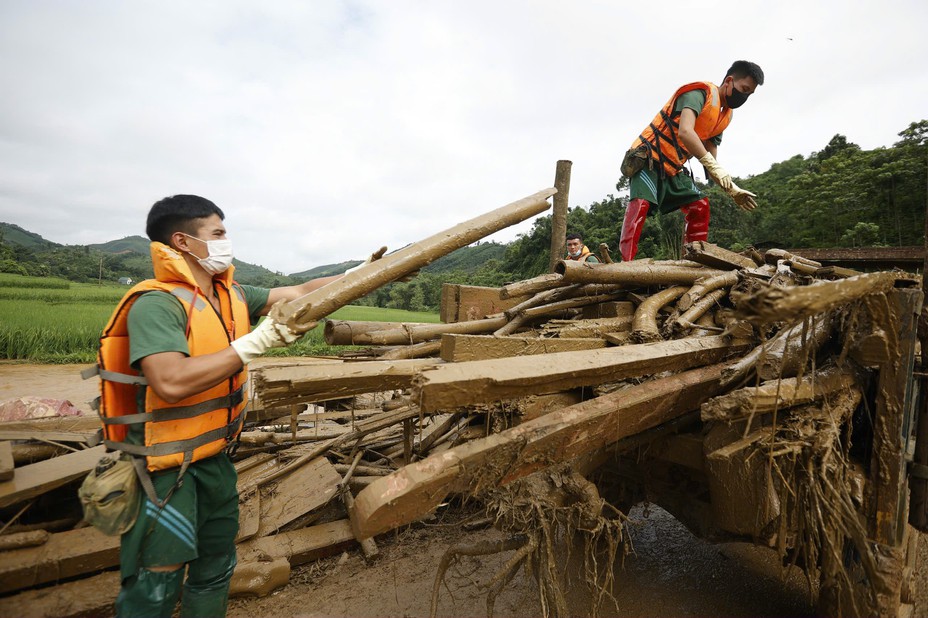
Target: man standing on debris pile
<point x="188" y="331"/>
<point x="578" y="251"/>
<point x="689" y="125"/>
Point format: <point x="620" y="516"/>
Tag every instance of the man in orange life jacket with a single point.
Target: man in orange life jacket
<point x="173" y="362"/>
<point x="689" y="125"/>
<point x="578" y="251"/>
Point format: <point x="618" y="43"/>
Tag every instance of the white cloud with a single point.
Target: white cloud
<point x="327" y="129"/>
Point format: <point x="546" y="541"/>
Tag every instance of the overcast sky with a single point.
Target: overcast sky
<point x="327" y="128"/>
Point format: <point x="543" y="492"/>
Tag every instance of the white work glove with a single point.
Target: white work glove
<point x="744" y="199"/>
<point x="376" y="255"/>
<point x="716" y="171"/>
<point x="268" y="334"/>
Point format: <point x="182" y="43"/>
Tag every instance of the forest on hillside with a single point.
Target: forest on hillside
<point x="840" y="196"/>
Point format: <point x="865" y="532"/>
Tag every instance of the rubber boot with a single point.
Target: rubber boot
<point x="635" y="214"/>
<point x="696" y="226"/>
<point x="206" y="591"/>
<point x="149" y="594"/>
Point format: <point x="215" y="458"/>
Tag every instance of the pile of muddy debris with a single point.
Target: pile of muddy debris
<point x="729" y="388"/>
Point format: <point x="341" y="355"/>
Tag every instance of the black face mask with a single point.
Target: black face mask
<point x="736" y="98"/>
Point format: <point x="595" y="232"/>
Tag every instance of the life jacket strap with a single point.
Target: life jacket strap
<point x="173" y="414"/>
<point x="113" y="376"/>
<point x="226" y="432"/>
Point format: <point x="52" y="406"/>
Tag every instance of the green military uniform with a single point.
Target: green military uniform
<point x="199" y="523"/>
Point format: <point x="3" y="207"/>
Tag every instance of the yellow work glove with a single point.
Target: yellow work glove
<point x="744" y="199"/>
<point x="716" y="171"/>
<point x="268" y="334"/>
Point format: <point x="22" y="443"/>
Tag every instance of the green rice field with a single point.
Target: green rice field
<point x="47" y="320"/>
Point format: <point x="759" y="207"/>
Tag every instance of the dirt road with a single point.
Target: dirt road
<point x="670" y="572"/>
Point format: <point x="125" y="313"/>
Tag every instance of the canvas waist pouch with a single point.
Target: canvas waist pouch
<point x="635" y="160"/>
<point x="109" y="495"/>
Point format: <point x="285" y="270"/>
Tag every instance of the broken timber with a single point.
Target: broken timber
<point x="557" y="437"/>
<point x="291" y="384"/>
<point x="404" y="334"/>
<point x="460" y="348"/>
<point x="35" y="479"/>
<point x="457" y="384"/>
<point x="636" y="272"/>
<point x="303" y="313"/>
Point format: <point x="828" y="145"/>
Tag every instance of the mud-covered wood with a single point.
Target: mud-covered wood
<point x="460" y="348"/>
<point x="302" y="313"/>
<point x="288" y="384"/>
<point x="7" y="465"/>
<point x="634" y="273"/>
<point x="553" y="438"/>
<point x="35" y="479"/>
<point x="457" y="384"/>
<point x="715" y="256"/>
<point x="559" y="212"/>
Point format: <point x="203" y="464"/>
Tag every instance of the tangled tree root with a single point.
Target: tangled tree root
<point x="548" y="507"/>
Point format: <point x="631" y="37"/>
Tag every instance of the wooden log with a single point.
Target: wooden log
<point x="458" y="384"/>
<point x="571" y="303"/>
<point x="778" y="395"/>
<point x="459" y="348"/>
<point x="714" y="256"/>
<point x="644" y="324"/>
<point x="704" y="286"/>
<point x="303" y="313"/>
<point x="688" y="319"/>
<point x="35" y="479"/>
<point x="408" y="334"/>
<point x="560" y="436"/>
<point x="16" y="540"/>
<point x="559" y="212"/>
<point x="7" y="465"/>
<point x="774" y="304"/>
<point x="416" y="350"/>
<point x="634" y="273"/>
<point x="530" y="287"/>
<point x="784" y="355"/>
<point x="567" y="329"/>
<point x="65" y="555"/>
<point x="288" y="385"/>
<point x="343" y="332"/>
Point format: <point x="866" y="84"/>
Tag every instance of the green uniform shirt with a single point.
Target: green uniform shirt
<point x="158" y="323"/>
<point x="694" y="100"/>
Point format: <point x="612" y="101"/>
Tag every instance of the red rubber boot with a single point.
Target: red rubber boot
<point x="635" y="215"/>
<point x="696" y="226"/>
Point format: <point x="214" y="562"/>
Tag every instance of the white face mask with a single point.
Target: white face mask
<point x="219" y="256"/>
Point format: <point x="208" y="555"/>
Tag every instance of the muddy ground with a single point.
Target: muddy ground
<point x="669" y="573"/>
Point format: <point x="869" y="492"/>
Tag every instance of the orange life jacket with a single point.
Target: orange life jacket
<point x="584" y="253"/>
<point x="661" y="136"/>
<point x="194" y="428"/>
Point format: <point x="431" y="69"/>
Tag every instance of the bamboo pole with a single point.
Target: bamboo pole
<point x="301" y="315"/>
<point x="559" y="216"/>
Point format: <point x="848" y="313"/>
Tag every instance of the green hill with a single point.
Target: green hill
<point x="12" y="234"/>
<point x="135" y="244"/>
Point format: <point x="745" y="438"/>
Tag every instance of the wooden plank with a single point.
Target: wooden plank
<point x="458" y="348"/>
<point x="66" y="554"/>
<point x="895" y="413"/>
<point x="464" y="303"/>
<point x="614" y="309"/>
<point x="290" y="385"/>
<point x="716" y="257"/>
<point x="91" y="596"/>
<point x="458" y="384"/>
<point x="558" y="437"/>
<point x="301" y="546"/>
<point x="79" y="424"/>
<point x="54" y="436"/>
<point x="7" y="467"/>
<point x="298" y="493"/>
<point x="249" y="515"/>
<point x="35" y="479"/>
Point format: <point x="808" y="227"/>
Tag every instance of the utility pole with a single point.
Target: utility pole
<point x="100" y="277"/>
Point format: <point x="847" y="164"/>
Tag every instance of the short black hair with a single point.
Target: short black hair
<point x="178" y="213"/>
<point x="575" y="237"/>
<point x="743" y="68"/>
